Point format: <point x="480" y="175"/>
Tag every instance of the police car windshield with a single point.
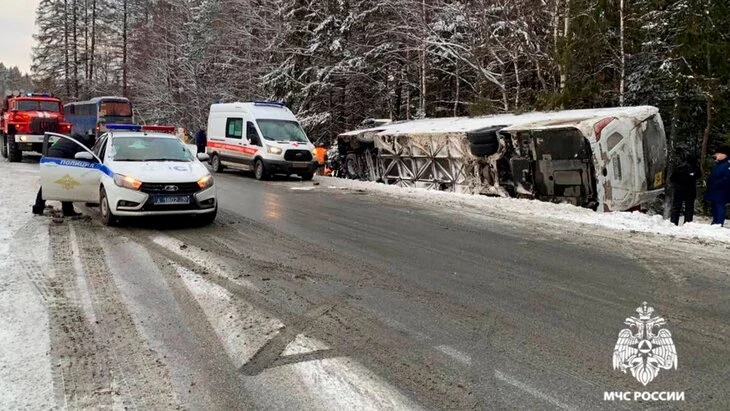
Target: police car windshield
<point x="149" y="149"/>
<point x="282" y="130"/>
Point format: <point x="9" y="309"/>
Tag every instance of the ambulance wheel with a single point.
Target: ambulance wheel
<point x="215" y="163"/>
<point x="307" y="176"/>
<point x="107" y="217"/>
<point x="4" y="148"/>
<point x="14" y="153"/>
<point x="259" y="170"/>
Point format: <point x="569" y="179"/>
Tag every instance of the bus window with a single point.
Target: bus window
<point x="115" y="109"/>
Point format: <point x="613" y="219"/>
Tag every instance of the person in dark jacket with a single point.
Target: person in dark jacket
<point x="201" y="140"/>
<point x="684" y="179"/>
<point x="718" y="185"/>
<point x="63" y="148"/>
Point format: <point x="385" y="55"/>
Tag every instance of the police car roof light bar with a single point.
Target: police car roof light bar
<point x="279" y="104"/>
<point x="123" y="127"/>
<point x="161" y="129"/>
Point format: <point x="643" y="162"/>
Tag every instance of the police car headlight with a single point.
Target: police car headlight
<point x="205" y="182"/>
<point x="273" y="150"/>
<point x="314" y="151"/>
<point x="127" y="182"/>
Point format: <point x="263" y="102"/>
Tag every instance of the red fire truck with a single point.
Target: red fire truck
<point x="24" y="118"/>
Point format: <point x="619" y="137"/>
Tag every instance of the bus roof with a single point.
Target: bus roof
<point x="508" y="120"/>
<point x="100" y="99"/>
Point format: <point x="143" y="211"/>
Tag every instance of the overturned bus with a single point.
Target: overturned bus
<point x="610" y="159"/>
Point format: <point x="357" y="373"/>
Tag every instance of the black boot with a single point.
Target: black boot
<point x="40" y="204"/>
<point x="68" y="210"/>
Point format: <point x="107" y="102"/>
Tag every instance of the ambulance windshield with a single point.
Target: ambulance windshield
<point x="282" y="130"/>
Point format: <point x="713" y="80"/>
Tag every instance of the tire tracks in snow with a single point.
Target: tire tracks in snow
<point x="80" y="365"/>
<point x="329" y="316"/>
<point x="98" y="359"/>
<point x="144" y="377"/>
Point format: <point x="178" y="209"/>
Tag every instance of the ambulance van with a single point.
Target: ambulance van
<point x="262" y="137"/>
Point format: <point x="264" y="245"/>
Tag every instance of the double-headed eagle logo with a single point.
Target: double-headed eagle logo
<point x="642" y="351"/>
<point x="67" y="182"/>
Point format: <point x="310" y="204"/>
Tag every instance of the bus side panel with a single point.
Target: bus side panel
<point x="84" y="119"/>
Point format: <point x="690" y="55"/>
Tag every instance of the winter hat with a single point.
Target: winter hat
<point x="724" y="149"/>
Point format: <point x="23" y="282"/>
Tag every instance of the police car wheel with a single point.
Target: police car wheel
<point x="208" y="218"/>
<point x="307" y="176"/>
<point x="259" y="170"/>
<point x="107" y="217"/>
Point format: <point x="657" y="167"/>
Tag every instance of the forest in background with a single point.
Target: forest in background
<point x="338" y="62"/>
<point x="12" y="80"/>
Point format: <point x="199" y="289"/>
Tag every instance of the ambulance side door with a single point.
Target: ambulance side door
<point x="76" y="179"/>
<point x="234" y="145"/>
<point x="253" y="143"/>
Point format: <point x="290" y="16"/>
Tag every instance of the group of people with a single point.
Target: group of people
<point x="684" y="180"/>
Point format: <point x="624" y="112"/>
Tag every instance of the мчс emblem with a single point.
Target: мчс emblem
<point x="642" y="351"/>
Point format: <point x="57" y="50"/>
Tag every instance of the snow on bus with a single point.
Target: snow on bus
<point x="608" y="159"/>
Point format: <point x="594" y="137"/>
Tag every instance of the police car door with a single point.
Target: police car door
<point x="76" y="179"/>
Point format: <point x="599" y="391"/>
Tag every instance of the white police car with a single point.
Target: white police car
<point x="133" y="170"/>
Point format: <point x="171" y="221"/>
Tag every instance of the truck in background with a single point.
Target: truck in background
<point x="25" y="118"/>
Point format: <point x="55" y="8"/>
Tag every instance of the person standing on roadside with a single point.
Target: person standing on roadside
<point x="321" y="157"/>
<point x="201" y="140"/>
<point x="684" y="179"/>
<point x="718" y="185"/>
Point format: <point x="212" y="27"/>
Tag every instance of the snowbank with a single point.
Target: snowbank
<point x="624" y="221"/>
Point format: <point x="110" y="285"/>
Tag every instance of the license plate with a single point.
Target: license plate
<point x="300" y="164"/>
<point x="170" y="200"/>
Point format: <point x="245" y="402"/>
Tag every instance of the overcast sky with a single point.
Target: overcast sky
<point x="16" y="32"/>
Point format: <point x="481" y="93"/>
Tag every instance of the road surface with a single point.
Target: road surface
<point x="303" y="296"/>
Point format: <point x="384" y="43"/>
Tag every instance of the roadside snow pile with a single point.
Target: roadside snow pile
<point x="625" y="221"/>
